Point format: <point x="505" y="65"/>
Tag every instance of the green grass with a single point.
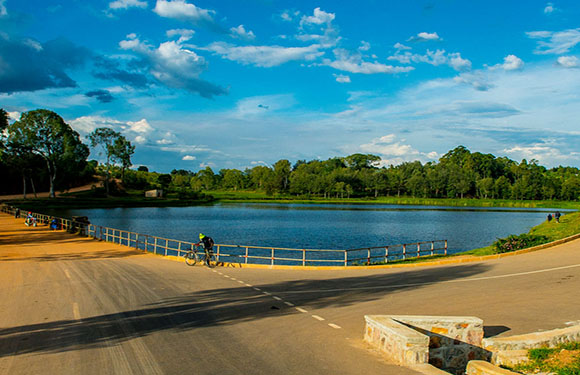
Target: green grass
<point x="564" y="359"/>
<point x="261" y="197"/>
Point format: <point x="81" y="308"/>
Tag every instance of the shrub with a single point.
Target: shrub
<point x="513" y="242"/>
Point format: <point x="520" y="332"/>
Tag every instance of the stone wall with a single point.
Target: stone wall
<point x="486" y="368"/>
<point x="445" y="342"/>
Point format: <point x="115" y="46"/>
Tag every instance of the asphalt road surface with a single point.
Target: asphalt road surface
<point x="71" y="305"/>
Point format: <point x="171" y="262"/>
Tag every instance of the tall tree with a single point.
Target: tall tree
<point x="44" y="133"/>
<point x="105" y="138"/>
<point x="122" y="152"/>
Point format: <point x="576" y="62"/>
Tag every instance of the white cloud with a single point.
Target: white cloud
<point x="141" y="126"/>
<point x="140" y="139"/>
<point x="549" y="8"/>
<point x="458" y="63"/>
<point x="551" y="42"/>
<point x="400" y="46"/>
<point x="264" y="56"/>
<point x="434" y="58"/>
<point x="354" y="63"/>
<point x="241" y="33"/>
<point x="392" y="151"/>
<point x="569" y="61"/>
<point x="184" y="34"/>
<point x="319" y="17"/>
<point x="424" y="36"/>
<point x="164" y="141"/>
<point x="188" y="158"/>
<point x="289" y="16"/>
<point x="477" y="80"/>
<point x="174" y="65"/>
<point x="14" y="115"/>
<point x="512" y="62"/>
<point x="364" y="46"/>
<point x="126" y="4"/>
<point x="546" y="151"/>
<point x="180" y="9"/>
<point x="342" y="78"/>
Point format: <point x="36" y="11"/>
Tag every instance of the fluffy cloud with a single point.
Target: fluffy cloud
<point x="173" y="65"/>
<point x="393" y="152"/>
<point x="400" y="46"/>
<point x="264" y="56"/>
<point x="569" y="61"/>
<point x="424" y="37"/>
<point x="434" y="58"/>
<point x="184" y="34"/>
<point x="241" y="33"/>
<point x="512" y="62"/>
<point x="550" y="42"/>
<point x="28" y="65"/>
<point x="364" y="46"/>
<point x="458" y="63"/>
<point x="126" y="4"/>
<point x="342" y="78"/>
<point x="181" y="10"/>
<point x="319" y="17"/>
<point x="354" y="63"/>
<point x="188" y="158"/>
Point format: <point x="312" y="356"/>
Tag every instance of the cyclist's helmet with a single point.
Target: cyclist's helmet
<point x="201" y="236"/>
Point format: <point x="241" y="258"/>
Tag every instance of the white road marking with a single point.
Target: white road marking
<point x="266" y="293"/>
<point x="226" y="276"/>
<point x="246" y="284"/>
<point x="277" y="298"/>
<point x="76" y="312"/>
<point x="233" y="278"/>
<point x="301" y="310"/>
<point x="240" y="281"/>
<point x="431" y="282"/>
<point x="334" y="326"/>
<point x="257" y="289"/>
<point x="289" y="303"/>
<point x="67" y="274"/>
<point x="318" y="317"/>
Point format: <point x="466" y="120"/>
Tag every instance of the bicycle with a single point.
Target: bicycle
<point x="193" y="256"/>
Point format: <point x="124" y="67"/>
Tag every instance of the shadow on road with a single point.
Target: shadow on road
<point x="218" y="307"/>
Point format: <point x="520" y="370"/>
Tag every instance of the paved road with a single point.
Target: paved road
<point x="72" y="305"/>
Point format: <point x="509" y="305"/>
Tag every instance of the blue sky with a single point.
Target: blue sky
<point x="234" y="84"/>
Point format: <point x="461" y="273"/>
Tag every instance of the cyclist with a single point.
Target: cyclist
<point x="207" y="245"/>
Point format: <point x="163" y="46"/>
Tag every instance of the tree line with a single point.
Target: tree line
<point x="42" y="149"/>
<point x="458" y="174"/>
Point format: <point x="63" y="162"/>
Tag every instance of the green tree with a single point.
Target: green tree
<point x="282" y="170"/>
<point x="484" y="187"/>
<point x="360" y="161"/>
<point x="105" y="138"/>
<point x="44" y="133"/>
<point x="122" y="152"/>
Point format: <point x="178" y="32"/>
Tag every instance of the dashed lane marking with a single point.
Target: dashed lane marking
<point x="233" y="278"/>
<point x="246" y="284"/>
<point x="318" y="317"/>
<point x="241" y="282"/>
<point x="301" y="310"/>
<point x="257" y="289"/>
<point x="67" y="274"/>
<point x="266" y="293"/>
<point x="277" y="298"/>
<point x="289" y="303"/>
<point x="335" y="326"/>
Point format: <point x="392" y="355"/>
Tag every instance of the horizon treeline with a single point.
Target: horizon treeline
<point x="458" y="174"/>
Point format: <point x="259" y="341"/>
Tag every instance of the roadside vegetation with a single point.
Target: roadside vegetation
<point x="561" y="360"/>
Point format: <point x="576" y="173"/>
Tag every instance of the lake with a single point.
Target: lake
<point x="321" y="226"/>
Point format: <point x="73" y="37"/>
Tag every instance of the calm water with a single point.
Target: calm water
<point x="321" y="226"/>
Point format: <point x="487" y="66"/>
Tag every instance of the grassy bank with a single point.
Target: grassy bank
<point x="569" y="225"/>
<point x="262" y="197"/>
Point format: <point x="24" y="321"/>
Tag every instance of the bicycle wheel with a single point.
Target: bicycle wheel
<point x="210" y="261"/>
<point x="190" y="258"/>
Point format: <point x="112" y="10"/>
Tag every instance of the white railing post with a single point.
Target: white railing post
<point x="272" y="256"/>
<point x="445" y="247"/>
<point x="432" y="247"/>
<point x="404" y="251"/>
<point x="386" y="254"/>
<point x="166" y="246"/>
<point x="345" y="258"/>
<point x="303" y="257"/>
<point x="418" y="249"/>
<point x="368" y="257"/>
<point x="246" y="260"/>
<point x="155" y="246"/>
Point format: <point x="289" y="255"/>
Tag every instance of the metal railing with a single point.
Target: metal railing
<point x="248" y="254"/>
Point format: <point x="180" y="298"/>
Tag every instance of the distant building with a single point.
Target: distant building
<point x="156" y="193"/>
